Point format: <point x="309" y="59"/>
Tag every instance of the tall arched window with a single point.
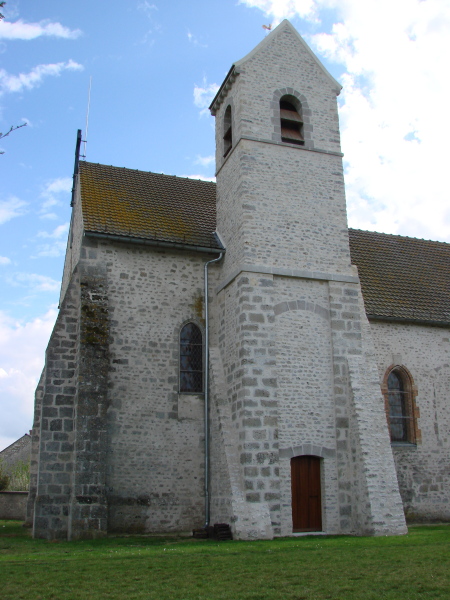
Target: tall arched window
<point x="400" y="406"/>
<point x="191" y="359"/>
<point x="227" y="132"/>
<point x="291" y="121"/>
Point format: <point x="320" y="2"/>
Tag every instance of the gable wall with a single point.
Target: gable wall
<point x="74" y="242"/>
<point x="18" y="451"/>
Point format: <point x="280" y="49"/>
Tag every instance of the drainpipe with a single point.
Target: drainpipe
<point x="207" y="478"/>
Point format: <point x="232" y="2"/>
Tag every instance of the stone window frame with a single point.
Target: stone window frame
<point x="299" y="100"/>
<point x="202" y="332"/>
<point x="414" y="435"/>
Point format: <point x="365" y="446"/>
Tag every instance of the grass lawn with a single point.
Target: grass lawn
<point x="415" y="566"/>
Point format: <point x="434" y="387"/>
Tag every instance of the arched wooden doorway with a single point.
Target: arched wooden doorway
<point x="306" y="494"/>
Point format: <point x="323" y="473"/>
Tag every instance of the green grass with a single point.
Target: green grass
<point x="415" y="566"/>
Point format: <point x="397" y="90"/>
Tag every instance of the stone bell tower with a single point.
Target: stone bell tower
<point x="301" y="437"/>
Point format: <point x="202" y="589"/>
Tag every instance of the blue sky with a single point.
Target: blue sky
<point x="155" y="67"/>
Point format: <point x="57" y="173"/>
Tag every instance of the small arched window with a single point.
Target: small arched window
<point x="191" y="359"/>
<point x="400" y="407"/>
<point x="291" y="121"/>
<point x="227" y="132"/>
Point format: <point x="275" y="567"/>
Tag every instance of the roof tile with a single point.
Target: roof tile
<point x="148" y="206"/>
<point x="401" y="277"/>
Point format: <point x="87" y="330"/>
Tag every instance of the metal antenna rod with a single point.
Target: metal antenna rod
<point x="87" y="116"/>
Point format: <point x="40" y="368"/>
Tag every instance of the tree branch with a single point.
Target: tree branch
<point x="12" y="128"/>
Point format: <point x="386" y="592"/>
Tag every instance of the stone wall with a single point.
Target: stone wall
<point x="54" y="423"/>
<point x="74" y="242"/>
<point x="136" y="459"/>
<point x="293" y="368"/>
<point x="305" y="390"/>
<point x="155" y="458"/>
<point x="296" y="367"/>
<point x="88" y="509"/>
<point x="13" y="505"/>
<point x="281" y="62"/>
<point x="68" y="489"/>
<point x="423" y="469"/>
<point x="281" y="205"/>
<point x="35" y="445"/>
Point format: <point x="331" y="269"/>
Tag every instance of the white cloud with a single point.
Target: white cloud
<point x="203" y="95"/>
<point x="52" y="194"/>
<point x="56" y="233"/>
<point x="285" y="9"/>
<point x="4" y="260"/>
<point x="393" y="106"/>
<point x="14" y="207"/>
<point x="194" y="40"/>
<point x="57" y="246"/>
<point x="17" y="83"/>
<point x="202" y="177"/>
<point x="51" y="216"/>
<point x="22" y="353"/>
<point x="30" y="31"/>
<point x="53" y="250"/>
<point x="61" y="184"/>
<point x="205" y="161"/>
<point x="34" y="282"/>
<point x="147" y="8"/>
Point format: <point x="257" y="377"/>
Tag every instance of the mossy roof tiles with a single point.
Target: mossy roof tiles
<point x="401" y="277"/>
<point x="148" y="206"/>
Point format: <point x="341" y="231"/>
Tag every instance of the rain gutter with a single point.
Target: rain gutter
<point x="134" y="240"/>
<point x="409" y="320"/>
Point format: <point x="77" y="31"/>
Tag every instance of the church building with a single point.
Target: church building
<point x="231" y="352"/>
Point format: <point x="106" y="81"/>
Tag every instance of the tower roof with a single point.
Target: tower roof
<point x="277" y="32"/>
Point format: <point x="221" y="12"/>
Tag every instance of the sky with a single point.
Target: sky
<point x="153" y="68"/>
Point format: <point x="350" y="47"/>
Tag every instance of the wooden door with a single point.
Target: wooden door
<point x="306" y="494"/>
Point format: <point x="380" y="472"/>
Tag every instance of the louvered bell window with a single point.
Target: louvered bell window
<point x="191" y="359"/>
<point x="227" y="132"/>
<point x="291" y="123"/>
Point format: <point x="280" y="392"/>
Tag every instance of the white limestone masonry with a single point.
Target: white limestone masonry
<point x="295" y="367"/>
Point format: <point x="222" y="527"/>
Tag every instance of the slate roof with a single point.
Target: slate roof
<point x="402" y="277"/>
<point x="148" y="206"/>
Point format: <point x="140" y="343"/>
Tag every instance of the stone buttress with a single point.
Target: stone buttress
<point x="68" y="489"/>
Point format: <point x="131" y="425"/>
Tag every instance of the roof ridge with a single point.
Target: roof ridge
<point x="183" y="178"/>
<point x="397" y="235"/>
